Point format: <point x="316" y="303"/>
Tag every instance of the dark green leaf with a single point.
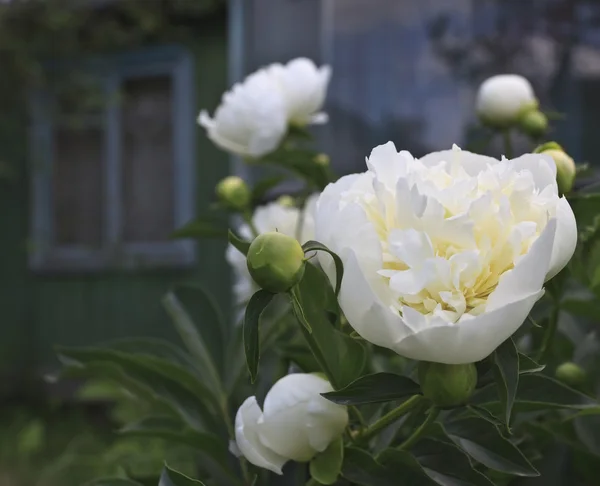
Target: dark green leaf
<point x="375" y="388"/>
<point x="301" y="163"/>
<point x="159" y="348"/>
<point x="170" y="477"/>
<point x="258" y="302"/>
<point x="341" y="357"/>
<point x="361" y="468"/>
<point x="402" y="464"/>
<point x="241" y="245"/>
<point x="172" y="431"/>
<point x="339" y="266"/>
<point x="200" y="325"/>
<point x="301" y="356"/>
<point x="538" y="392"/>
<point x="262" y="187"/>
<point x="447" y="465"/>
<point x="166" y="382"/>
<point x="200" y="228"/>
<point x="484" y="443"/>
<point x="528" y="365"/>
<point x="326" y="466"/>
<point x="506" y="373"/>
<point x="484" y="414"/>
<point x="113" y="482"/>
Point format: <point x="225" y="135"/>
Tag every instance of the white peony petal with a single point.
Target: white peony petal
<point x="248" y="441"/>
<point x="565" y="240"/>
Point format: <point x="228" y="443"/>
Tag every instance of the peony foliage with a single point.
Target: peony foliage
<point x="427" y="321"/>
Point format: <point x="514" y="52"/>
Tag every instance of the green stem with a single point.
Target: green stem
<point x="418" y="433"/>
<point x="549" y="334"/>
<point x="389" y="419"/>
<point x="300" y="222"/>
<point x="508" y="148"/>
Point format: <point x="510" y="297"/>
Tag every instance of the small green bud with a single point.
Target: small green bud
<point x="286" y="201"/>
<point x="540" y="149"/>
<point x="276" y="261"/>
<point x="565" y="169"/>
<point x="447" y="385"/>
<point x="570" y="374"/>
<point x="322" y="159"/>
<point x="234" y="193"/>
<point x="534" y="123"/>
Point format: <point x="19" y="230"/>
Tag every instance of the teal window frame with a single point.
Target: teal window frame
<point x="114" y="253"/>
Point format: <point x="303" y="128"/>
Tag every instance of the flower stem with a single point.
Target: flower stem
<point x="418" y="433"/>
<point x="508" y="148"/>
<point x="389" y="418"/>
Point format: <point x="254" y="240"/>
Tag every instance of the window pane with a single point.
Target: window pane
<point x="147" y="159"/>
<point x="78" y="186"/>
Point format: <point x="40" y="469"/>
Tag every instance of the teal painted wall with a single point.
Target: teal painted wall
<point x="40" y="311"/>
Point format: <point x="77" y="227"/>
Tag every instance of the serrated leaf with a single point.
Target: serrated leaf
<point x="326" y="466"/>
<point x="339" y="266"/>
<point x="374" y="388"/>
<point x="506" y="373"/>
<point x="484" y="443"/>
<point x="170" y="477"/>
<point x="257" y="304"/>
<point x="238" y="243"/>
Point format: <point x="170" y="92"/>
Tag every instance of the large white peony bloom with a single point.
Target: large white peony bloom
<point x="444" y="256"/>
<point x="295" y="424"/>
<point x="502" y="98"/>
<point x="252" y="118"/>
<point x="254" y="115"/>
<point x="271" y="217"/>
<point x="304" y="87"/>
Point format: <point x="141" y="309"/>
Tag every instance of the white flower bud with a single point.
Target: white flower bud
<point x="296" y="422"/>
<point x="502" y="99"/>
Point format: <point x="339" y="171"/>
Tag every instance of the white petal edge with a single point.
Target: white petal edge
<point x="565" y="240"/>
<point x="247" y="440"/>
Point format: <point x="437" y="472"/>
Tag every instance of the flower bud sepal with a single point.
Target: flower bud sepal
<point x="447" y="385"/>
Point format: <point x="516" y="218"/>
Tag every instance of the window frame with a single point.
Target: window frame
<point x="113" y="253"/>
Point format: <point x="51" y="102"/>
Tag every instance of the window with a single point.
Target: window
<point x="111" y="182"/>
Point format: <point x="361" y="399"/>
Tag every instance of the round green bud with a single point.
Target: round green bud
<point x="322" y="159"/>
<point x="534" y="123"/>
<point x="565" y="169"/>
<point x="540" y="149"/>
<point x="276" y="261"/>
<point x="447" y="385"/>
<point x="234" y="193"/>
<point x="286" y="201"/>
<point x="570" y="374"/>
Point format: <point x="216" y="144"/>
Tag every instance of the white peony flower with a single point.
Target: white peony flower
<point x="252" y="118"/>
<point x="444" y="256"/>
<point x="274" y="216"/>
<point x="254" y="115"/>
<point x="295" y="424"/>
<point x="304" y="88"/>
<point x="502" y="98"/>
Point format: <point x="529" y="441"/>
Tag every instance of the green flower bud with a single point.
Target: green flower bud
<point x="286" y="201"/>
<point x="534" y="123"/>
<point x="447" y="385"/>
<point x="565" y="169"/>
<point x="322" y="159"/>
<point x="234" y="193"/>
<point x="276" y="261"/>
<point x="570" y="374"/>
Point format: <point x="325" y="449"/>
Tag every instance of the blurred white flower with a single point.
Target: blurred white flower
<point x="295" y="424"/>
<point x="275" y="216"/>
<point x="503" y="98"/>
<point x="444" y="256"/>
<point x="254" y="115"/>
<point x="251" y="119"/>
<point x="304" y="88"/>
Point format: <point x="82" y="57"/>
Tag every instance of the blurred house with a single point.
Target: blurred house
<point x="108" y="161"/>
<point x="408" y="71"/>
